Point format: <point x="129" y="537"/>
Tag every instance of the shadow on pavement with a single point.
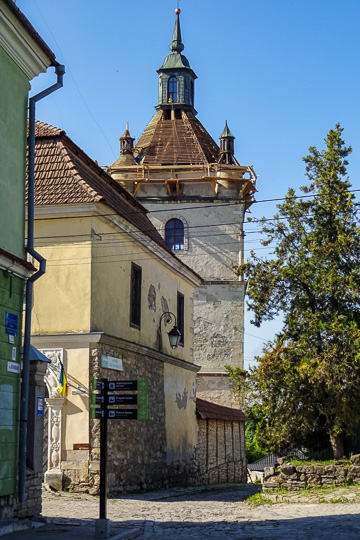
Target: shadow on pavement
<point x="232" y="493"/>
<point x="339" y="527"/>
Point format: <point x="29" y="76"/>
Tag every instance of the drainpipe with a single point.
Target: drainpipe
<point x="59" y="70"/>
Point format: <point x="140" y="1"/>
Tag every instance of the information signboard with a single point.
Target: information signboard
<point x="140" y="385"/>
<point x="120" y="414"/>
<point x="124" y="399"/>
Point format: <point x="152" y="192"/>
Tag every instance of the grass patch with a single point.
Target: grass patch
<point x="341" y="499"/>
<point x="259" y="499"/>
<point x="299" y="462"/>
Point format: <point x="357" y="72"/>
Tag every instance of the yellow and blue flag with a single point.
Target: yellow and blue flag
<point x="62" y="380"/>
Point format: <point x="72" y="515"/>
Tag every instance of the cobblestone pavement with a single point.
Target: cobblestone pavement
<point x="197" y="513"/>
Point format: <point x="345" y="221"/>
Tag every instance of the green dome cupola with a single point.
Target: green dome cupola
<point x="176" y="78"/>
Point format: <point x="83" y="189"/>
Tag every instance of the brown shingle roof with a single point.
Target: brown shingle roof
<point x="64" y="174"/>
<point x="206" y="409"/>
<point x="181" y="141"/>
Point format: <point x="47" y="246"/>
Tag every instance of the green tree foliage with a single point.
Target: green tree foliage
<point x="309" y="375"/>
<point x="255" y="449"/>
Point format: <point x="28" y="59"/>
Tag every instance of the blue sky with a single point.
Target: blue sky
<point x="282" y="72"/>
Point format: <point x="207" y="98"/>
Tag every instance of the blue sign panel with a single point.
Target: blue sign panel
<point x="40" y="406"/>
<point x="11" y="324"/>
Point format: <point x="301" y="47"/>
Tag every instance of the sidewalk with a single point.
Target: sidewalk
<point x="61" y="528"/>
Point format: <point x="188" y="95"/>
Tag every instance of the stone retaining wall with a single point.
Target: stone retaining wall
<point x="293" y="478"/>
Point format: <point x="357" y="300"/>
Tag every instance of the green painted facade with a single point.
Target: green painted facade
<point x="14" y="89"/>
<point x="11" y="300"/>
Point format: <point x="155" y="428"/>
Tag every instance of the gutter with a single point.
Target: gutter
<point x="59" y="70"/>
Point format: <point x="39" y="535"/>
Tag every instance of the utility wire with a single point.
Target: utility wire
<point x="75" y="83"/>
<point x="179" y="208"/>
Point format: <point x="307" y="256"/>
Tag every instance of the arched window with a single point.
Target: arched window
<point x="172" y="90"/>
<point x="174" y="234"/>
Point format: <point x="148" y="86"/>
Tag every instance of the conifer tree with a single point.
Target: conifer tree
<point x="309" y="375"/>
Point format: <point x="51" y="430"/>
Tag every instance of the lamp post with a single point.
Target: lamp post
<point x="174" y="334"/>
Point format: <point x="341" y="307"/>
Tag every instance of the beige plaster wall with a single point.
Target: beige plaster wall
<point x="110" y="292"/>
<point x="214" y="234"/>
<point x="180" y="405"/>
<point x="76" y="407"/>
<point x="87" y="284"/>
<point x="219" y="325"/>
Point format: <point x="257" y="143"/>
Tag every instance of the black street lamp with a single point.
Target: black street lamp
<point x="174" y="334"/>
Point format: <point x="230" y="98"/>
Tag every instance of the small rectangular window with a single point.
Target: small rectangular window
<point x="135" y="295"/>
<point x="180" y="316"/>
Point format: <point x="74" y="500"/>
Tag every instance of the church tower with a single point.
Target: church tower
<point x="197" y="194"/>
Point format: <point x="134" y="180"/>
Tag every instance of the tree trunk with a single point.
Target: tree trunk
<point x="337" y="443"/>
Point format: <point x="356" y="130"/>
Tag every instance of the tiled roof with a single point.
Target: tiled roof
<point x="181" y="141"/>
<point x="206" y="409"/>
<point x="64" y="174"/>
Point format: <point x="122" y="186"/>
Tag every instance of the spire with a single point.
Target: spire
<point x="176" y="44"/>
<point x="226" y="134"/>
<point x="176" y="78"/>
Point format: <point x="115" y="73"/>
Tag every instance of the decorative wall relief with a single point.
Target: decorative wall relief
<point x="53" y="475"/>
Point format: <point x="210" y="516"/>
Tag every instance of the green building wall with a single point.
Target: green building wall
<point x="14" y="89"/>
<point x="11" y="300"/>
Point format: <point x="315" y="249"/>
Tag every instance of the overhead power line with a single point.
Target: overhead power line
<point x="179" y="208"/>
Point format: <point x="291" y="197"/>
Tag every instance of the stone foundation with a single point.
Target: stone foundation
<point x="10" y="507"/>
<point x="293" y="478"/>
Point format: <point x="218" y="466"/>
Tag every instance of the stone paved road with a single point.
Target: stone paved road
<point x="211" y="513"/>
<point x="217" y="512"/>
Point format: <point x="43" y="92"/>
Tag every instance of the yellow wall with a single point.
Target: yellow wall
<point x="87" y="284"/>
<point x="62" y="296"/>
<point x="111" y="271"/>
<point x="75" y="412"/>
<point x="181" y="425"/>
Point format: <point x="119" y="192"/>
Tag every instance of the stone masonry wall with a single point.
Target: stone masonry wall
<point x="136" y="449"/>
<point x="293" y="478"/>
<point x="10" y="507"/>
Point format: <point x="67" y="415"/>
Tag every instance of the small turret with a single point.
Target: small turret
<point x="126" y="149"/>
<point x="126" y="142"/>
<point x="227" y="147"/>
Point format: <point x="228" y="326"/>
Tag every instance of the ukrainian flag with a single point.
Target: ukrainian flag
<point x="62" y="380"/>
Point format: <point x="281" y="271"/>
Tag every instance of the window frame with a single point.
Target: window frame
<point x="180" y="319"/>
<point x="173" y="241"/>
<point x="135" y="296"/>
<point x="173" y="81"/>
